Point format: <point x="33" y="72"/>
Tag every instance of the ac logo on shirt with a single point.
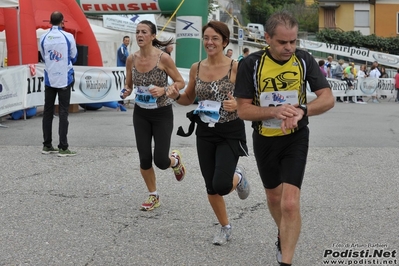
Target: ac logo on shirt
<point x="283" y="81"/>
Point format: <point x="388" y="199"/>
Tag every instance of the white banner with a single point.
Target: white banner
<point x="189" y="27"/>
<point x="362" y="87"/>
<point x="126" y="22"/>
<point x="20" y="90"/>
<point x="92" y="85"/>
<point x="352" y="52"/>
<point x="12" y="89"/>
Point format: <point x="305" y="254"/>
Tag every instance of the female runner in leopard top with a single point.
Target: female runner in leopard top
<point x="148" y="70"/>
<point x="220" y="133"/>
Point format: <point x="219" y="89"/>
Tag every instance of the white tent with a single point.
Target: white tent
<point x="9" y="3"/>
<point x="14" y="4"/>
<point x="102" y="34"/>
<point x="106" y="35"/>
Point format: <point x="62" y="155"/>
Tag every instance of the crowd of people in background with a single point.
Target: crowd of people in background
<point x="350" y="73"/>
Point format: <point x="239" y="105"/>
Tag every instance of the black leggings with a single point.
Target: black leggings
<point x="218" y="163"/>
<point x="153" y="123"/>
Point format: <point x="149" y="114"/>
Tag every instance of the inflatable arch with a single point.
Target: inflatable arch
<point x="34" y="14"/>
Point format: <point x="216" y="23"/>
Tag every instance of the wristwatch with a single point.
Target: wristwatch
<point x="304" y="108"/>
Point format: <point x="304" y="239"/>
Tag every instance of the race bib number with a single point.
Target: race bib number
<point x="208" y="111"/>
<point x="144" y="98"/>
<point x="276" y="98"/>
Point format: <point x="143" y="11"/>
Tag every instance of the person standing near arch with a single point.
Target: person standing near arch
<point x="121" y="55"/>
<point x="122" y="52"/>
<point x="245" y="53"/>
<point x="59" y="52"/>
<point x="229" y="53"/>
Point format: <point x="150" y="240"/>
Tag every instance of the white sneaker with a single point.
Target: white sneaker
<point x="279" y="256"/>
<point x="222" y="236"/>
<point x="242" y="188"/>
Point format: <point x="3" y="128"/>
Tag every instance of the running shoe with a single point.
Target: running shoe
<point x="151" y="203"/>
<point x="49" y="150"/>
<point x="66" y="153"/>
<point x="222" y="236"/>
<point x="179" y="170"/>
<point x="242" y="188"/>
<point x="279" y="256"/>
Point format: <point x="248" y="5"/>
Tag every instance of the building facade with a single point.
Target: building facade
<point x="379" y="17"/>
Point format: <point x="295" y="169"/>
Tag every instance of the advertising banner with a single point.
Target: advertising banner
<point x="125" y="22"/>
<point x="189" y="27"/>
<point x="21" y="89"/>
<point x="352" y="52"/>
<point x="12" y="88"/>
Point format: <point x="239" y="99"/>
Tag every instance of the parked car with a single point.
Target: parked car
<point x="256" y="31"/>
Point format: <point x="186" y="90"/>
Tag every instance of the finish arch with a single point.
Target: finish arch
<point x="35" y="14"/>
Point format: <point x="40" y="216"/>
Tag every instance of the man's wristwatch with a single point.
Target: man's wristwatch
<point x="304" y="108"/>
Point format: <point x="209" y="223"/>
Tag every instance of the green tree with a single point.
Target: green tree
<point x="258" y="11"/>
<point x="307" y="16"/>
<point x="356" y="39"/>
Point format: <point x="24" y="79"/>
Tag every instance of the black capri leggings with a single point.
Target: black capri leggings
<point x="153" y="123"/>
<point x="218" y="163"/>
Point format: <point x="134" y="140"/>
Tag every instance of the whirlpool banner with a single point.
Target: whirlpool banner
<point x="351" y="52"/>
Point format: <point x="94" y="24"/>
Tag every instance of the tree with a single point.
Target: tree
<point x="258" y="11"/>
<point x="357" y="39"/>
<point x="307" y="16"/>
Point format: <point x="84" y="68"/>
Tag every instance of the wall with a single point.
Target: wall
<point x="344" y="17"/>
<point x="387" y="20"/>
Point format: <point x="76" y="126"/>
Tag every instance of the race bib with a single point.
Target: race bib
<point x="276" y="98"/>
<point x="208" y="111"/>
<point x="144" y="98"/>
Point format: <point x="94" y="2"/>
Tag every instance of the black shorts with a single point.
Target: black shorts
<point x="281" y="159"/>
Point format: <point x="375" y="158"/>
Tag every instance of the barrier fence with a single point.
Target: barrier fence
<point x="22" y="87"/>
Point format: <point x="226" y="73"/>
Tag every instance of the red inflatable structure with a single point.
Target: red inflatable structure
<point x="35" y="14"/>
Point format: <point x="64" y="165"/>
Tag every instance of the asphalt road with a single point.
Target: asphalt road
<point x="84" y="210"/>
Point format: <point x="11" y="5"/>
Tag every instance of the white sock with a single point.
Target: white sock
<point x="227" y="226"/>
<point x="155" y="193"/>
<point x="176" y="161"/>
<point x="239" y="177"/>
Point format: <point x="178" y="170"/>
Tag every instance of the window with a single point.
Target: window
<point x="362" y="18"/>
<point x="329" y="18"/>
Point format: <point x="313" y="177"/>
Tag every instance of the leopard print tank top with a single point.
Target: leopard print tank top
<point x="217" y="90"/>
<point x="155" y="77"/>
